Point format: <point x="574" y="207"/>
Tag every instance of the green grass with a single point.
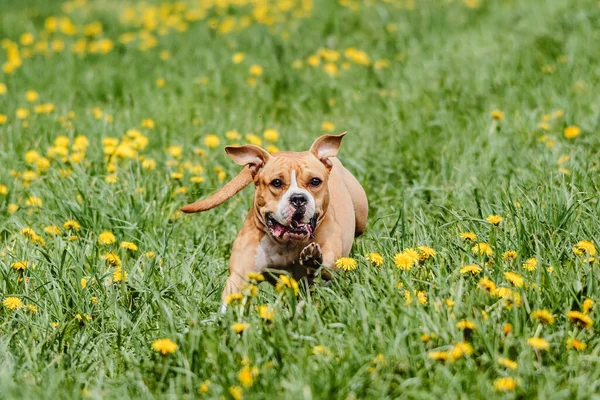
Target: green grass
<point x="421" y="140"/>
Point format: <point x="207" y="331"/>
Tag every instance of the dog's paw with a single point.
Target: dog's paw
<point x="311" y="255"/>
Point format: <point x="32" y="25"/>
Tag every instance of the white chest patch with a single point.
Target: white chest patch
<point x="272" y="255"/>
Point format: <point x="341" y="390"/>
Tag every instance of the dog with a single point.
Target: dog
<point x="307" y="210"/>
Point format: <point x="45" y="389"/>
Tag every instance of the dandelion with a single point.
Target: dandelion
<point x="538" y="343"/>
<point x="328" y="126"/>
<point x="346" y="263"/>
<point x="204" y="387"/>
<point x="164" y="346"/>
<point x="111" y="258"/>
<point x="509" y="255"/>
<point x="506" y="329"/>
<point x="584" y="247"/>
<point x="233" y="297"/>
<point x="494" y="219"/>
<point x="482" y="248"/>
<point x="52" y="230"/>
<point x="20" y="265"/>
<point x="129" y="246"/>
<point x="271" y="135"/>
<point x="12" y="303"/>
<point x="256" y="70"/>
<point x="468" y="236"/>
<point x="470" y="269"/>
<point x="286" y="282"/>
<point x="514" y="278"/>
<point x="321" y="350"/>
<point x="83" y="282"/>
<point x="237" y="58"/>
<point x="31" y="308"/>
<point x="487" y="284"/>
<point x="236" y="392"/>
<point x="497" y="115"/>
<point x="254" y="139"/>
<point x="572" y="132"/>
<point x="211" y="141"/>
<point x="578" y="345"/>
<point x="240" y="327"/>
<point x="530" y="264"/>
<point x="544" y="316"/>
<point x="588" y="304"/>
<point x="466" y="325"/>
<point x="508" y="363"/>
<point x="265" y="312"/>
<point x="438" y="355"/>
<point x="375" y="258"/>
<point x="255" y="276"/>
<point x="505" y="384"/>
<point x="426" y="252"/>
<point x="580" y="319"/>
<point x="119" y="275"/>
<point x="107" y="237"/>
<point x="404" y="261"/>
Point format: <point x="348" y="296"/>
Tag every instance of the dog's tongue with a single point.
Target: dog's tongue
<point x="278" y="230"/>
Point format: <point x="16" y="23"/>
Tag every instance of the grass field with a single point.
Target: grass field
<point x="115" y="114"/>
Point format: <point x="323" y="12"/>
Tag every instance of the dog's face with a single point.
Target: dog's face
<point x="292" y="191"/>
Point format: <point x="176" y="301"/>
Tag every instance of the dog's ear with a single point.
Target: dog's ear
<point x="253" y="156"/>
<point x="327" y="146"/>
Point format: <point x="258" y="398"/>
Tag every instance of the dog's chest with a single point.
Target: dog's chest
<point x="272" y="255"/>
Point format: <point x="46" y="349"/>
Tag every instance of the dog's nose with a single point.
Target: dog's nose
<point x="298" y="200"/>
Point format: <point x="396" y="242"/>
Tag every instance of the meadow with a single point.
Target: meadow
<point x="472" y="125"/>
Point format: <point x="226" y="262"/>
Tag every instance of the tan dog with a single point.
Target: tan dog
<point x="306" y="212"/>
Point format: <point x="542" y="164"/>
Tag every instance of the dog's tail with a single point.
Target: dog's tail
<point x="219" y="197"/>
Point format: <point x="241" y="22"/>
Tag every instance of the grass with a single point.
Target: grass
<point x="422" y="141"/>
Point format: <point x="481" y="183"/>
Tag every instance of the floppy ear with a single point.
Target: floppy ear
<point x="327" y="146"/>
<point x="253" y="156"/>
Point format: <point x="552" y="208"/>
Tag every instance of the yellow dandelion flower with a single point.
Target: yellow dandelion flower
<point x="506" y="329"/>
<point x="247" y="374"/>
<point x="236" y="392"/>
<point x="107" y="237"/>
<point x="212" y="141"/>
<point x="240" y="327"/>
<point x="487" y="284"/>
<point x="405" y="261"/>
<point x="237" y="57"/>
<point x="470" y="269"/>
<point x="71" y="225"/>
<point x="12" y="303"/>
<point x="426" y="252"/>
<point x="346" y="263"/>
<point x="514" y="278"/>
<point x="266" y="312"/>
<point x="438" y="355"/>
<point x="119" y="275"/>
<point x="482" y="248"/>
<point x="578" y="345"/>
<point x="494" y="219"/>
<point x="253" y="139"/>
<point x="580" y="319"/>
<point x="233" y="297"/>
<point x="20" y="265"/>
<point x="256" y="70"/>
<point x="505" y="384"/>
<point x="271" y="135"/>
<point x="544" y="316"/>
<point x="508" y="363"/>
<point x="321" y="350"/>
<point x="111" y="258"/>
<point x="585" y="247"/>
<point x="204" y="388"/>
<point x="497" y="115"/>
<point x="328" y="126"/>
<point x="530" y="264"/>
<point x="509" y="255"/>
<point x="129" y="246"/>
<point x="538" y="343"/>
<point x="375" y="258"/>
<point x="465" y="324"/>
<point x="572" y="132"/>
<point x="164" y="346"/>
<point x="588" y="304"/>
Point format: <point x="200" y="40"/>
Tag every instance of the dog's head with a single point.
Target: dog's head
<point x="292" y="191"/>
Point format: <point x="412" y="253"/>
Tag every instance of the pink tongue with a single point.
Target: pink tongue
<point x="278" y="230"/>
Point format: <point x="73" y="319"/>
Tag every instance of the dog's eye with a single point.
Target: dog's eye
<point x="276" y="183"/>
<point x="314" y="182"/>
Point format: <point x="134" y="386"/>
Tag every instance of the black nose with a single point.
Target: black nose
<point x="298" y="200"/>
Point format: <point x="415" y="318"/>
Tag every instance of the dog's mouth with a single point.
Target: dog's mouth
<point x="296" y="230"/>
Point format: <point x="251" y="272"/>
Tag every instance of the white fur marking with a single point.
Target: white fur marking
<point x="284" y="207"/>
